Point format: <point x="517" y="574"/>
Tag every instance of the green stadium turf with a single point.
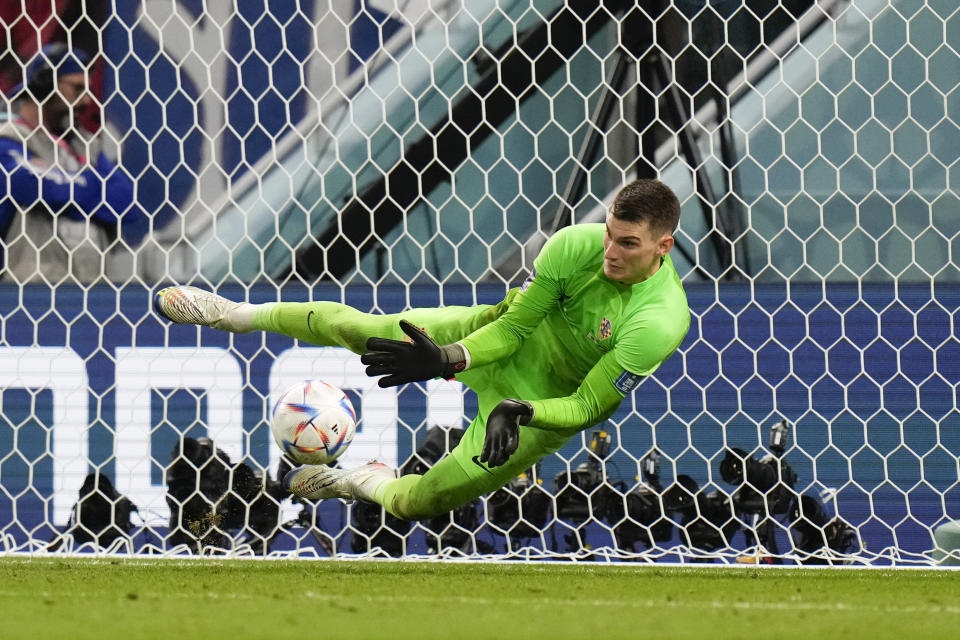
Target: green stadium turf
<point x="317" y="600"/>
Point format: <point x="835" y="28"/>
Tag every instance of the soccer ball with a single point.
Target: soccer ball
<point x="313" y="422"/>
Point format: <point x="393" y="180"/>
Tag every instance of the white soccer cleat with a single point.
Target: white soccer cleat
<point x="320" y="482"/>
<point x="190" y="305"/>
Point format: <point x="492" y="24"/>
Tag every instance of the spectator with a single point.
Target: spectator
<point x="63" y="203"/>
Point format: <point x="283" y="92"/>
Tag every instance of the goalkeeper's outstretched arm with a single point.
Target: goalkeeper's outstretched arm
<point x="420" y="358"/>
<point x="595" y="400"/>
<point x="597" y="397"/>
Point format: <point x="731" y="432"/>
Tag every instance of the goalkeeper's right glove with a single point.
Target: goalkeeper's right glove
<point x="503" y="431"/>
<point x="420" y="359"/>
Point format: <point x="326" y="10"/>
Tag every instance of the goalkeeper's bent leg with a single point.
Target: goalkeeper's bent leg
<point x="412" y="497"/>
<point x="336" y="324"/>
<point x="443" y="488"/>
<point x="460" y="477"/>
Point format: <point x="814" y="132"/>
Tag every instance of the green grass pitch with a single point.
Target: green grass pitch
<point x="305" y="600"/>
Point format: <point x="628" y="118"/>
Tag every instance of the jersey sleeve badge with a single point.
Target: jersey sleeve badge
<point x="627" y="382"/>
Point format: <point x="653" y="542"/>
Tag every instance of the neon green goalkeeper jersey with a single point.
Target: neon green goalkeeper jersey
<point x="574" y="342"/>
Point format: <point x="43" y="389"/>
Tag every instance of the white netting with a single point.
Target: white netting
<point x="391" y="154"/>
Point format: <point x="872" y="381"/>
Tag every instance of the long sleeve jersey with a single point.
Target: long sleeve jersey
<point x="574" y="342"/>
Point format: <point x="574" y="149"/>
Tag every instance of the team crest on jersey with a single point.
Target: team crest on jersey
<point x="605" y="332"/>
<point x="606" y="329"/>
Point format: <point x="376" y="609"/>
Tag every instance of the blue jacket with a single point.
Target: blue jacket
<point x="101" y="192"/>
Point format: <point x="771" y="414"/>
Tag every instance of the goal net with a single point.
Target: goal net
<point x="391" y="154"/>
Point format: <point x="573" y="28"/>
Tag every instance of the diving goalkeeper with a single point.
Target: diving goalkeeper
<point x="603" y="309"/>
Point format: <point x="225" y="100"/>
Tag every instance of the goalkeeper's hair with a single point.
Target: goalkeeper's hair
<point x="648" y="201"/>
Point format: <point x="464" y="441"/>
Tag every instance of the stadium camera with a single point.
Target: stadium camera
<point x="638" y="516"/>
<point x="578" y="493"/>
<point x="765" y="490"/>
<point x="522" y="507"/>
<point x="379" y="529"/>
<point x="375" y="528"/>
<point x="576" y="497"/>
<point x="252" y="506"/>
<point x="308" y="517"/>
<point x="100" y="515"/>
<point x="573" y="488"/>
<point x="208" y="496"/>
<point x="765" y="485"/>
<point x="453" y="530"/>
<point x="706" y="519"/>
<point x="711" y="524"/>
<point x="197" y="478"/>
<point x="812" y="530"/>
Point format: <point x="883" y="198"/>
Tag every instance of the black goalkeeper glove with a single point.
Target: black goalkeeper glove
<point x="503" y="431"/>
<point x="421" y="359"/>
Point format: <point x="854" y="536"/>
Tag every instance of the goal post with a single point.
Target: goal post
<point x="391" y="155"/>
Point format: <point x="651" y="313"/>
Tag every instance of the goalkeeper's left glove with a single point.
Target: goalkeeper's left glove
<point x="419" y="359"/>
<point x="503" y="431"/>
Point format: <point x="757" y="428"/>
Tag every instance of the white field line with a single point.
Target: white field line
<point x="532" y="564"/>
<point x="530" y="602"/>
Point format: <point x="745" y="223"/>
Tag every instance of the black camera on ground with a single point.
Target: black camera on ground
<point x="209" y="496"/>
<point x="198" y="476"/>
<point x="706" y="518"/>
<point x="520" y="509"/>
<point x="812" y="531"/>
<point x="374" y="528"/>
<point x="579" y="493"/>
<point x="637" y="516"/>
<point x="252" y="506"/>
<point x="765" y="485"/>
<point x="763" y="502"/>
<point x="765" y="490"/>
<point x="101" y="514"/>
<point x="453" y="530"/>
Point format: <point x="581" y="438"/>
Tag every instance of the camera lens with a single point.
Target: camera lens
<point x="731" y="467"/>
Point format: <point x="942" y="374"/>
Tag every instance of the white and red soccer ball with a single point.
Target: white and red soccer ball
<point x="313" y="422"/>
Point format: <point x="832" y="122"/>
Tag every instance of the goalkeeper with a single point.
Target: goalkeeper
<point x="603" y="309"/>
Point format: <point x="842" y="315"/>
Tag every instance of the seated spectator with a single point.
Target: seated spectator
<point x="64" y="205"/>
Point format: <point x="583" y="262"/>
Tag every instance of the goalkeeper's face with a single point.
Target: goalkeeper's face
<point x="631" y="252"/>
